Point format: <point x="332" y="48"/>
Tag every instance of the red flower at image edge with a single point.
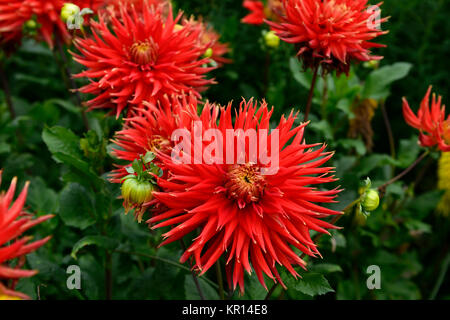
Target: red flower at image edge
<point x="256" y="15"/>
<point x="251" y="219"/>
<point x="259" y="12"/>
<point x="13" y="223"/>
<point x="14" y="14"/>
<point x="430" y="120"/>
<point x="140" y="57"/>
<point x="330" y="33"/>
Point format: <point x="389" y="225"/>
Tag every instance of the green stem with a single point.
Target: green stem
<point x="441" y="277"/>
<point x="220" y="280"/>
<point x="7" y="92"/>
<point x="194" y="275"/>
<point x="108" y="275"/>
<point x="311" y="92"/>
<point x="173" y="263"/>
<point x="72" y="85"/>
<point x="388" y="129"/>
<point x="382" y="188"/>
<point x="316" y="238"/>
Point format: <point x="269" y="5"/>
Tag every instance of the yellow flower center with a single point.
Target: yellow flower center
<point x="245" y="184"/>
<point x="158" y="143"/>
<point x="144" y="53"/>
<point x="447" y="131"/>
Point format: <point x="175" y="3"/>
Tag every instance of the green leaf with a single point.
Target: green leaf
<point x="313" y="284"/>
<point x="65" y="148"/>
<point x="408" y="152"/>
<point x="325" y="268"/>
<point x="323" y="127"/>
<point x="99" y="241"/>
<point x="191" y="289"/>
<point x="77" y="207"/>
<point x="65" y="104"/>
<point x="62" y="142"/>
<point x="41" y="198"/>
<point x="345" y="106"/>
<point x="377" y="83"/>
<point x="357" y="144"/>
<point x="299" y="75"/>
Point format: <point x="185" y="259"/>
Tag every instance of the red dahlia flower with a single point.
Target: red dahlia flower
<point x="254" y="220"/>
<point x="152" y="129"/>
<point x="256" y="15"/>
<point x="218" y="49"/>
<point x="113" y="6"/>
<point x="12" y="247"/>
<point x="14" y="13"/>
<point x="209" y="42"/>
<point x="259" y="12"/>
<point x="140" y="57"/>
<point x="430" y="120"/>
<point x="330" y="32"/>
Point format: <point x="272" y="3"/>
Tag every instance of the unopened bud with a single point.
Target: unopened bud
<point x="31" y="24"/>
<point x="69" y="10"/>
<point x="208" y="53"/>
<point x="271" y="39"/>
<point x="135" y="193"/>
<point x="371" y="200"/>
<point x="372" y="64"/>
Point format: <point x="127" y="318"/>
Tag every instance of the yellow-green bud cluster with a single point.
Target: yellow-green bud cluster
<point x="271" y="39"/>
<point x="69" y="10"/>
<point x="371" y="200"/>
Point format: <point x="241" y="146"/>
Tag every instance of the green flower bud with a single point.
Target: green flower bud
<point x="371" y="64"/>
<point x="135" y="193"/>
<point x="208" y="53"/>
<point x="271" y="39"/>
<point x="31" y="24"/>
<point x="371" y="200"/>
<point x="69" y="10"/>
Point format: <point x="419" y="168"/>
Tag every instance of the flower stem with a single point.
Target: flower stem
<point x="441" y="277"/>
<point x="73" y="87"/>
<point x="316" y="238"/>
<point x="382" y="188"/>
<point x="388" y="129"/>
<point x="7" y="91"/>
<point x="220" y="280"/>
<point x="108" y="275"/>
<point x="194" y="276"/>
<point x="311" y="92"/>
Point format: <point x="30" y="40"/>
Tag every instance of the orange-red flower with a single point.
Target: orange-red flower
<point x="209" y="42"/>
<point x="14" y="13"/>
<point x="140" y="57"/>
<point x="430" y="120"/>
<point x="259" y="12"/>
<point x="113" y="6"/>
<point x="13" y="223"/>
<point x="151" y="130"/>
<point x="254" y="220"/>
<point x="330" y="32"/>
<point x="256" y="15"/>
